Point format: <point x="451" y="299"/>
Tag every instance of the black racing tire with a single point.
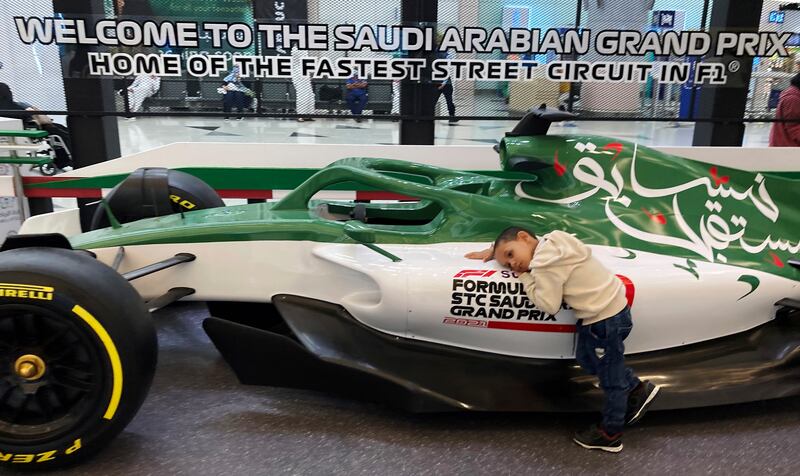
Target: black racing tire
<point x="188" y="192"/>
<point x="78" y="352"/>
<point x="153" y="192"/>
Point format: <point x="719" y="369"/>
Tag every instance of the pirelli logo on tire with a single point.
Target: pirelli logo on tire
<point x="182" y="202"/>
<point x="26" y="291"/>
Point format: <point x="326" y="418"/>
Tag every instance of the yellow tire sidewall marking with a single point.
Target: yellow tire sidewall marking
<point x="111" y="349"/>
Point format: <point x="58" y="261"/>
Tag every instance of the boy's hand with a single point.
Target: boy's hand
<point x="485" y="255"/>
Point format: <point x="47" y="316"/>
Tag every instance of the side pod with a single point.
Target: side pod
<point x="319" y="345"/>
<point x="261" y="357"/>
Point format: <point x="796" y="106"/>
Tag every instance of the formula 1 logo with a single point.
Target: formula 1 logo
<point x="475" y="273"/>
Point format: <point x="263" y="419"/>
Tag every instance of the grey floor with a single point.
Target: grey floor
<point x="198" y="420"/>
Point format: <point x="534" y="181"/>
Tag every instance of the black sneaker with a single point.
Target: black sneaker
<point x="596" y="439"/>
<point x="639" y="400"/>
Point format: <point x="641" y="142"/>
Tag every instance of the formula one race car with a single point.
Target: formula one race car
<point x="376" y="299"/>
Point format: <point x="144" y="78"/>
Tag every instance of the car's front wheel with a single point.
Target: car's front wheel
<point x="77" y="356"/>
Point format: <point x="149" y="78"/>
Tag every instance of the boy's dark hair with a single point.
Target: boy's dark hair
<point x="510" y="234"/>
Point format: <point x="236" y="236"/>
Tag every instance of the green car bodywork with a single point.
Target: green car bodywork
<point x="605" y="191"/>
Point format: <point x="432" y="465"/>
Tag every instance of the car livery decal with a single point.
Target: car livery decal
<point x="709" y="212"/>
<point x="491" y="299"/>
<point x="630" y="289"/>
<point x="512" y="326"/>
<point x="479" y="302"/>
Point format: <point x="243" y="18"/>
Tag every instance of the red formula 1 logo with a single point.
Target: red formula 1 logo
<point x="474" y="273"/>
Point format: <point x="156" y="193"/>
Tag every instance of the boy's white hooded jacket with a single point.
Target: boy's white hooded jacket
<point x="563" y="269"/>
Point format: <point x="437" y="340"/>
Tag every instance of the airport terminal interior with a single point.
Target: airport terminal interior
<point x="149" y="132"/>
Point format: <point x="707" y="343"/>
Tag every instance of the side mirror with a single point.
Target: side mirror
<point x="358" y="232"/>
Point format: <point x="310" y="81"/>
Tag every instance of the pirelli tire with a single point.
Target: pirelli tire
<point x="155" y="192"/>
<point x="77" y="356"/>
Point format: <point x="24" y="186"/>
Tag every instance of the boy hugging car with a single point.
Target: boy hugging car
<point x="558" y="267"/>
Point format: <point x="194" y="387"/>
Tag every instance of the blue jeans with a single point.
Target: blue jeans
<point x="600" y="352"/>
<point x="235" y="99"/>
<point x="356" y="101"/>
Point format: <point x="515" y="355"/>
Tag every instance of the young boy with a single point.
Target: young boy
<point x="558" y="267"/>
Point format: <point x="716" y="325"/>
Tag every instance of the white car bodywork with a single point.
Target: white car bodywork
<point x="425" y="296"/>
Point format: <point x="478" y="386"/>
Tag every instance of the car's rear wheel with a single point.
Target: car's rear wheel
<point x="155" y="192"/>
<point x="77" y="355"/>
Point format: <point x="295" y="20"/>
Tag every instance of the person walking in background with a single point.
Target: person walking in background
<point x="304" y="93"/>
<point x="395" y="97"/>
<point x="396" y="89"/>
<point x="446" y="88"/>
<point x="143" y="86"/>
<point x="356" y="95"/>
<point x="787" y="134"/>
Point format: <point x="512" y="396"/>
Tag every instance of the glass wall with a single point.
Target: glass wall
<point x="235" y="106"/>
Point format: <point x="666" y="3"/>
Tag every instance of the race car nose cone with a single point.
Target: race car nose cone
<point x="29" y="367"/>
